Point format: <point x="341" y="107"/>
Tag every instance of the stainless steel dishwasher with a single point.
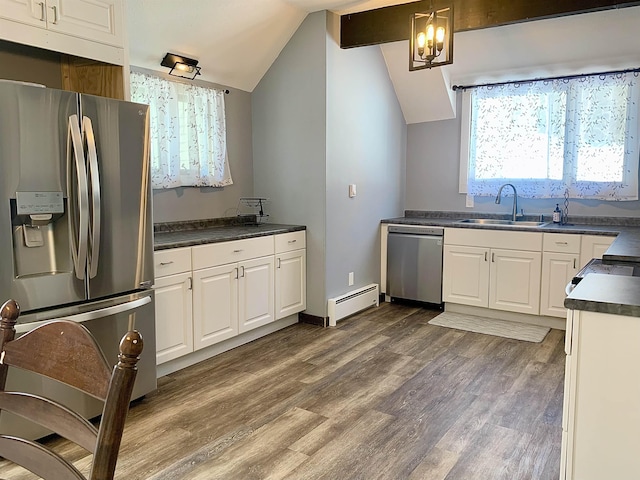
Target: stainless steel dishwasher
<point x="414" y="263"/>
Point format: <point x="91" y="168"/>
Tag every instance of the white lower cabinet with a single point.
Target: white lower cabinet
<point x="173" y="304"/>
<point x="232" y="299"/>
<point x="291" y="274"/>
<point x="514" y="283"/>
<point x="215" y="305"/>
<point x="465" y="277"/>
<point x="210" y="293"/>
<point x="479" y="271"/>
<point x="255" y="293"/>
<point x="593" y="246"/>
<point x="601" y="418"/>
<point x="560" y="263"/>
<point x="557" y="270"/>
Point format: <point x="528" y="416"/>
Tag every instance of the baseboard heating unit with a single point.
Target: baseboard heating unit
<point x="352" y="302"/>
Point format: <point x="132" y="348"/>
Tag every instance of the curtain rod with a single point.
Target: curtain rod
<point x="563" y="77"/>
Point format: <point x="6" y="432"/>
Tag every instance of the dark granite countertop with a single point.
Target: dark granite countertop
<point x="601" y="293"/>
<point x="625" y="248"/>
<point x="619" y="295"/>
<point x="180" y="235"/>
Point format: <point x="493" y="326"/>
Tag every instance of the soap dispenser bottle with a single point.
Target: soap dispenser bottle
<point x="557" y="214"/>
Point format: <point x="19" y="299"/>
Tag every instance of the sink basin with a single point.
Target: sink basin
<point x="507" y="223"/>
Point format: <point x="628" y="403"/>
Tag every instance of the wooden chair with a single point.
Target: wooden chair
<point x="66" y="351"/>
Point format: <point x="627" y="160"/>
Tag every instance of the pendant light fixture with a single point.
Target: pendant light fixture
<point x="431" y="41"/>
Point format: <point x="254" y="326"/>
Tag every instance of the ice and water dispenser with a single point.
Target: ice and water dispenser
<point x="40" y="234"/>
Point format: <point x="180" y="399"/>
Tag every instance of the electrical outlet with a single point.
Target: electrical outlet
<point x="469" y="202"/>
<point x="350" y="278"/>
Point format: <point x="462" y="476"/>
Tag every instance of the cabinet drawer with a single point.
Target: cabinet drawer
<point x="475" y="237"/>
<point x="287" y="242"/>
<point x="561" y="242"/>
<point x="171" y="261"/>
<point x="205" y="256"/>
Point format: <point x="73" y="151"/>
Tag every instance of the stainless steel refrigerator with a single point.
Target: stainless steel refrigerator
<point x="76" y="235"/>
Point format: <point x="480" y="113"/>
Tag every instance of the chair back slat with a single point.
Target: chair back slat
<point x="43" y="462"/>
<point x="52" y="416"/>
<point x="65" y="351"/>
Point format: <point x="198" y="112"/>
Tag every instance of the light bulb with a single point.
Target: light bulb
<point x="430" y="37"/>
<point x="421" y="39"/>
<point x="430" y="33"/>
<point x="440" y="35"/>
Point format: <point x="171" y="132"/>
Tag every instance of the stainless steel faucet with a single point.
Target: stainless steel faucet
<point x="514" y="214"/>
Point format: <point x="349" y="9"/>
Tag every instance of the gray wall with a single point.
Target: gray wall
<point x="366" y="142"/>
<point x="196" y="203"/>
<point x="433" y="152"/>
<point x="289" y="118"/>
<point x="324" y="118"/>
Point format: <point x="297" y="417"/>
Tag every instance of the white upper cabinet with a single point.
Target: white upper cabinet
<point x="86" y="28"/>
<point x="24" y="11"/>
<point x="97" y="20"/>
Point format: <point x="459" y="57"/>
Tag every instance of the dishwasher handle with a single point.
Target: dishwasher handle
<point x="416" y="230"/>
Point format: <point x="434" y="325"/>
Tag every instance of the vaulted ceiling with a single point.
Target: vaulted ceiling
<point x="236" y="41"/>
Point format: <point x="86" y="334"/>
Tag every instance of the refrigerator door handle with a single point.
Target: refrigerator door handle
<point x="79" y="224"/>
<point x="94" y="185"/>
<point x="92" y="315"/>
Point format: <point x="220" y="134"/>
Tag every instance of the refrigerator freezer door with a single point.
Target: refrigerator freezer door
<point x="36" y="268"/>
<point x="121" y="226"/>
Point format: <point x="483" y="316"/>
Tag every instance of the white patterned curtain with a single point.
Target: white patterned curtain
<point x="188" y="132"/>
<point x="545" y="137"/>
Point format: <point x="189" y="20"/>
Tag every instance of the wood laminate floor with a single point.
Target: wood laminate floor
<point x="382" y="396"/>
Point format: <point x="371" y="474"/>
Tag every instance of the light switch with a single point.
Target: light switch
<point x="352" y="190"/>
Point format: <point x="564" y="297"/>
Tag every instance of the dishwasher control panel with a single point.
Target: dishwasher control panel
<point x="407" y="229"/>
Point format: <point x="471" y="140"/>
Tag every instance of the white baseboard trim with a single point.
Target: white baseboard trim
<point x="543" y="321"/>
<point x="213" y="350"/>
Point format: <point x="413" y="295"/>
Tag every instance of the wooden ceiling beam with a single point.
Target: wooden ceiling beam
<point x="391" y="24"/>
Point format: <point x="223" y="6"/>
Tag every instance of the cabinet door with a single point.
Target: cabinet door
<point x="515" y="281"/>
<point x="174" y="319"/>
<point x="465" y="277"/>
<point x="215" y="305"/>
<point x="291" y="283"/>
<point x="593" y="246"/>
<point x="29" y="12"/>
<point x="97" y="20"/>
<point x="255" y="295"/>
<point x="604" y="393"/>
<point x="557" y="270"/>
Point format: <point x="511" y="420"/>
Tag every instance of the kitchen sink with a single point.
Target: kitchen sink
<point x="507" y="223"/>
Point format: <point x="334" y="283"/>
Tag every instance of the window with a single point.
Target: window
<point x="188" y="132"/>
<point x="548" y="136"/>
